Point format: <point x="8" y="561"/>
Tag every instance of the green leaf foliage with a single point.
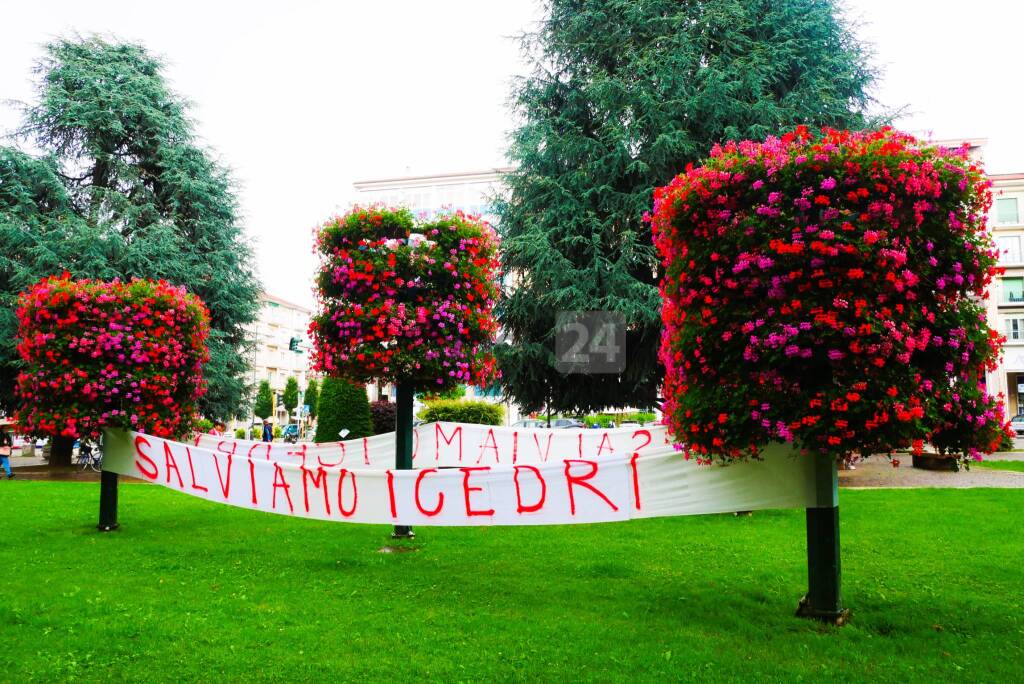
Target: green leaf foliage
<point x="123" y="189"/>
<point x="312" y="397"/>
<point x="264" y="404"/>
<point x="463" y="411"/>
<point x="290" y="396"/>
<point x="622" y="96"/>
<point x="343" y="405"/>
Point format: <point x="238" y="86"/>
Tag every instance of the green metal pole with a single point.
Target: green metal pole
<point x="403" y="444"/>
<point x="824" y="599"/>
<point x="108" y="502"/>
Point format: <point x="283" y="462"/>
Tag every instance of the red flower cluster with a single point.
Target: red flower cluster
<point x="827" y="291"/>
<point x="406" y="302"/>
<point x="109" y="354"/>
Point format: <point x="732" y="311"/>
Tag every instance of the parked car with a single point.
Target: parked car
<point x="290" y="433"/>
<point x="529" y="423"/>
<point x="567" y="423"/>
<point x="1017" y="424"/>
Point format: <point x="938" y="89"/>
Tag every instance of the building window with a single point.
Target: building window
<point x="1015" y="329"/>
<point x="1009" y="249"/>
<point x="1013" y="290"/>
<point x="1006" y="211"/>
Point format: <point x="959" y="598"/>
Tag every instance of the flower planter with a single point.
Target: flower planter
<point x="936" y="462"/>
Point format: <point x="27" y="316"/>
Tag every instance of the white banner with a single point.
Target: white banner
<point x="656" y="482"/>
<point x="438" y="445"/>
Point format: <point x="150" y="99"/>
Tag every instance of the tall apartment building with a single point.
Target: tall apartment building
<point x="1006" y="300"/>
<point x="281" y="325"/>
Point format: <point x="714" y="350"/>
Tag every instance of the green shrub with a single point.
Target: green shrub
<point x="277" y="432"/>
<point x="383" y="414"/>
<point x="603" y="419"/>
<point x="240" y="433"/>
<point x="342" y="405"/>
<point x="457" y="392"/>
<point x="203" y="425"/>
<point x="463" y="411"/>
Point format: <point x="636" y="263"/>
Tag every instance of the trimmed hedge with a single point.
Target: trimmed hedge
<point x="383" y="415"/>
<point x="343" y="404"/>
<point x="463" y="411"/>
<point x="603" y="419"/>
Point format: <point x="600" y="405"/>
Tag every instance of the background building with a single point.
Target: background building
<point x="281" y="325"/>
<point x="426" y="196"/>
<point x="1006" y="300"/>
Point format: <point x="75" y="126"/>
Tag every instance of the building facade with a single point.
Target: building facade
<point x="1006" y="298"/>
<point x="427" y="196"/>
<point x="281" y="349"/>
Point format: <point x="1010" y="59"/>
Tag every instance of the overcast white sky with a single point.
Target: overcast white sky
<point x="302" y="98"/>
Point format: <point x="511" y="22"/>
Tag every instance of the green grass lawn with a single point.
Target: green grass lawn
<point x="1017" y="466"/>
<point x="189" y="590"/>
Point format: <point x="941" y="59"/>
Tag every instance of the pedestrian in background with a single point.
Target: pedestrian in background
<point x="268" y="432"/>
<point x="6" y="446"/>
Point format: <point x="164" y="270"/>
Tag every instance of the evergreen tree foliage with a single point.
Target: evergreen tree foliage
<point x="343" y="405"/>
<point x="290" y="396"/>
<point x="124" y="189"/>
<point x="624" y="94"/>
<point x="264" y="404"/>
<point x="312" y="397"/>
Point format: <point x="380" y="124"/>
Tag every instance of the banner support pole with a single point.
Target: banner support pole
<point x="824" y="600"/>
<point x="108" y="502"/>
<point x="403" y="444"/>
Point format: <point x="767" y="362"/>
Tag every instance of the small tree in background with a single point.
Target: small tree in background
<point x="829" y="293"/>
<point x="99" y="355"/>
<point x="343" y="405"/>
<point x="264" y="404"/>
<point x="290" y="396"/>
<point x="312" y="397"/>
<point x="383" y="414"/>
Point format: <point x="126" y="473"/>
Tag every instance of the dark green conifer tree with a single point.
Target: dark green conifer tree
<point x="124" y="190"/>
<point x="623" y="94"/>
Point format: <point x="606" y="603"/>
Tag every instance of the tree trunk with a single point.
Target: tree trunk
<point x="60" y="451"/>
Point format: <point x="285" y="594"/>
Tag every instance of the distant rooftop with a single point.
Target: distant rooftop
<point x="481" y="176"/>
<point x="284" y="302"/>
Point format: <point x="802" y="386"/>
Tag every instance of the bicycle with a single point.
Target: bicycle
<point x="90" y="458"/>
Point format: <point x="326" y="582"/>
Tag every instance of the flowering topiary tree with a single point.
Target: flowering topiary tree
<point x="109" y="354"/>
<point x="827" y="291"/>
<point x="407" y="303"/>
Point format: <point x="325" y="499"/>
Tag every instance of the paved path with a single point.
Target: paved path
<point x="877" y="471"/>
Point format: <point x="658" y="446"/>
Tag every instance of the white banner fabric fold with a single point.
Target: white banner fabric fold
<point x="438" y="445"/>
<point x="658" y="482"/>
